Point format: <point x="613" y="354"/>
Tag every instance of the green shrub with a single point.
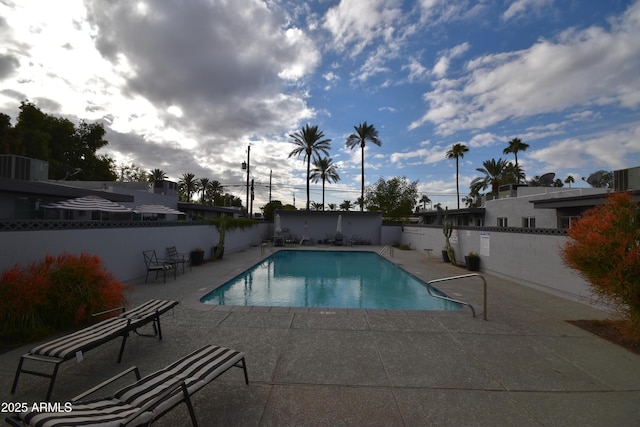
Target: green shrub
<point x="55" y="294"/>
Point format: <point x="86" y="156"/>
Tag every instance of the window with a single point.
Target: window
<point x="502" y="222"/>
<point x="567" y="221"/>
<point x="529" y="222"/>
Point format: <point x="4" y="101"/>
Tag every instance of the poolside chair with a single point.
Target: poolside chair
<point x="146" y="400"/>
<point x="74" y="345"/>
<point x="179" y="258"/>
<point x="157" y="265"/>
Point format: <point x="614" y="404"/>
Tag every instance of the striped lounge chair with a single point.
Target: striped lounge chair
<point x="146" y="400"/>
<point x="73" y="346"/>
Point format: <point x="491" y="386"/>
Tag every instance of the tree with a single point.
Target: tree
<point x="496" y="172"/>
<point x="457" y="152"/>
<point x="203" y="185"/>
<point x="364" y="133"/>
<point x="309" y="142"/>
<point x="332" y="206"/>
<point x="515" y="145"/>
<point x="468" y="201"/>
<point x="269" y="208"/>
<point x="317" y="206"/>
<point x="395" y="197"/>
<point x="346" y="205"/>
<point x="187" y="186"/>
<point x="326" y="171"/>
<point x="604" y="249"/>
<point x="569" y="180"/>
<point x="157" y="175"/>
<point x="131" y="173"/>
<point x="70" y="150"/>
<point x="424" y="200"/>
<point x="214" y="191"/>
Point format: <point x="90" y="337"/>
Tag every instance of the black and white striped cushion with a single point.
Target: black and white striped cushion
<point x="149" y="308"/>
<point x="66" y="347"/>
<point x="197" y="369"/>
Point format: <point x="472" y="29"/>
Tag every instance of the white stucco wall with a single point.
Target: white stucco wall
<point x="529" y="259"/>
<point x="120" y="248"/>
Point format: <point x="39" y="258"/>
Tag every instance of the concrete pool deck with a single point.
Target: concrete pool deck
<point x="525" y="365"/>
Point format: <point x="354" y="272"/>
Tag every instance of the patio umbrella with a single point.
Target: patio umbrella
<point x="89" y="203"/>
<point x="156" y="209"/>
<point x="339" y="227"/>
<point x="277" y="224"/>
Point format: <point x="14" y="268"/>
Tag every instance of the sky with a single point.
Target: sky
<point x="188" y="86"/>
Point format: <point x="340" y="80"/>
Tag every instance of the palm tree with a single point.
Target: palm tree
<point x="494" y="175"/>
<point x="157" y="175"/>
<point x="215" y="191"/>
<point x="515" y="145"/>
<point x="188" y="185"/>
<point x="203" y="185"/>
<point x="569" y="180"/>
<point x="317" y="206"/>
<point x="364" y="133"/>
<point x="424" y="200"/>
<point x="325" y="170"/>
<point x="457" y="152"/>
<point x="346" y="205"/>
<point x="309" y="142"/>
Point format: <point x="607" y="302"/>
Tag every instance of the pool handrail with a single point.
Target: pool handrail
<point x="463" y="276"/>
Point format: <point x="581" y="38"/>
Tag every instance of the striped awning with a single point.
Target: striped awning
<point x="89" y="203"/>
<point x="156" y="209"/>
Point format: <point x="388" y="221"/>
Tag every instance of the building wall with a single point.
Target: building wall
<point x="120" y="248"/>
<point x="318" y="225"/>
<point x="529" y="259"/>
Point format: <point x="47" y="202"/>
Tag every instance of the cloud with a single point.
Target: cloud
<point x="593" y="67"/>
<point x="611" y="151"/>
<point x="355" y="24"/>
<point x="442" y="66"/>
<point x="521" y="8"/>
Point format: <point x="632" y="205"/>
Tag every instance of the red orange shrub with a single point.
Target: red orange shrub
<point x="55" y="293"/>
<point x="605" y="249"/>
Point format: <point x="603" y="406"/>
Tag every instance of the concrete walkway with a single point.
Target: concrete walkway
<point x="325" y="367"/>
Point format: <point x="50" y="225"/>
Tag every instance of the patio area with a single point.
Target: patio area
<point x="525" y="365"/>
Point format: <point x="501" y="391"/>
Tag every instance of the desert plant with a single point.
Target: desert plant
<point x="227" y="223"/>
<point x="605" y="249"/>
<point x="54" y="294"/>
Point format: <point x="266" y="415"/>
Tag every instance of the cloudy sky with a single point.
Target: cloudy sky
<point x="187" y="86"/>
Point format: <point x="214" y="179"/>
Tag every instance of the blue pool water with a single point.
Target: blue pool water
<point x="335" y="279"/>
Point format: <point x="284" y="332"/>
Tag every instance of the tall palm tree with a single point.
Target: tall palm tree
<point x="364" y="133"/>
<point x="515" y="145"/>
<point x="188" y="185"/>
<point x="424" y="200"/>
<point x="457" y="152"/>
<point x="309" y="142"/>
<point x="216" y="189"/>
<point x="569" y="180"/>
<point x="157" y="175"/>
<point x="494" y="174"/>
<point x="326" y="171"/>
<point x="203" y="185"/>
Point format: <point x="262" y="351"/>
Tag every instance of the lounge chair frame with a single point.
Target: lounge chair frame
<point x="179" y="258"/>
<point x="74" y="345"/>
<point x="149" y="398"/>
<point x="153" y="263"/>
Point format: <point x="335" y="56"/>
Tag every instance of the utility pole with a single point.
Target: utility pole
<point x="270" y="176"/>
<point x="252" y="197"/>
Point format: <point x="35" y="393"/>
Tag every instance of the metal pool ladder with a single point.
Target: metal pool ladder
<point x="464" y="276"/>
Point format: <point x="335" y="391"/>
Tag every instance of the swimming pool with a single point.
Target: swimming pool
<point x="331" y="279"/>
